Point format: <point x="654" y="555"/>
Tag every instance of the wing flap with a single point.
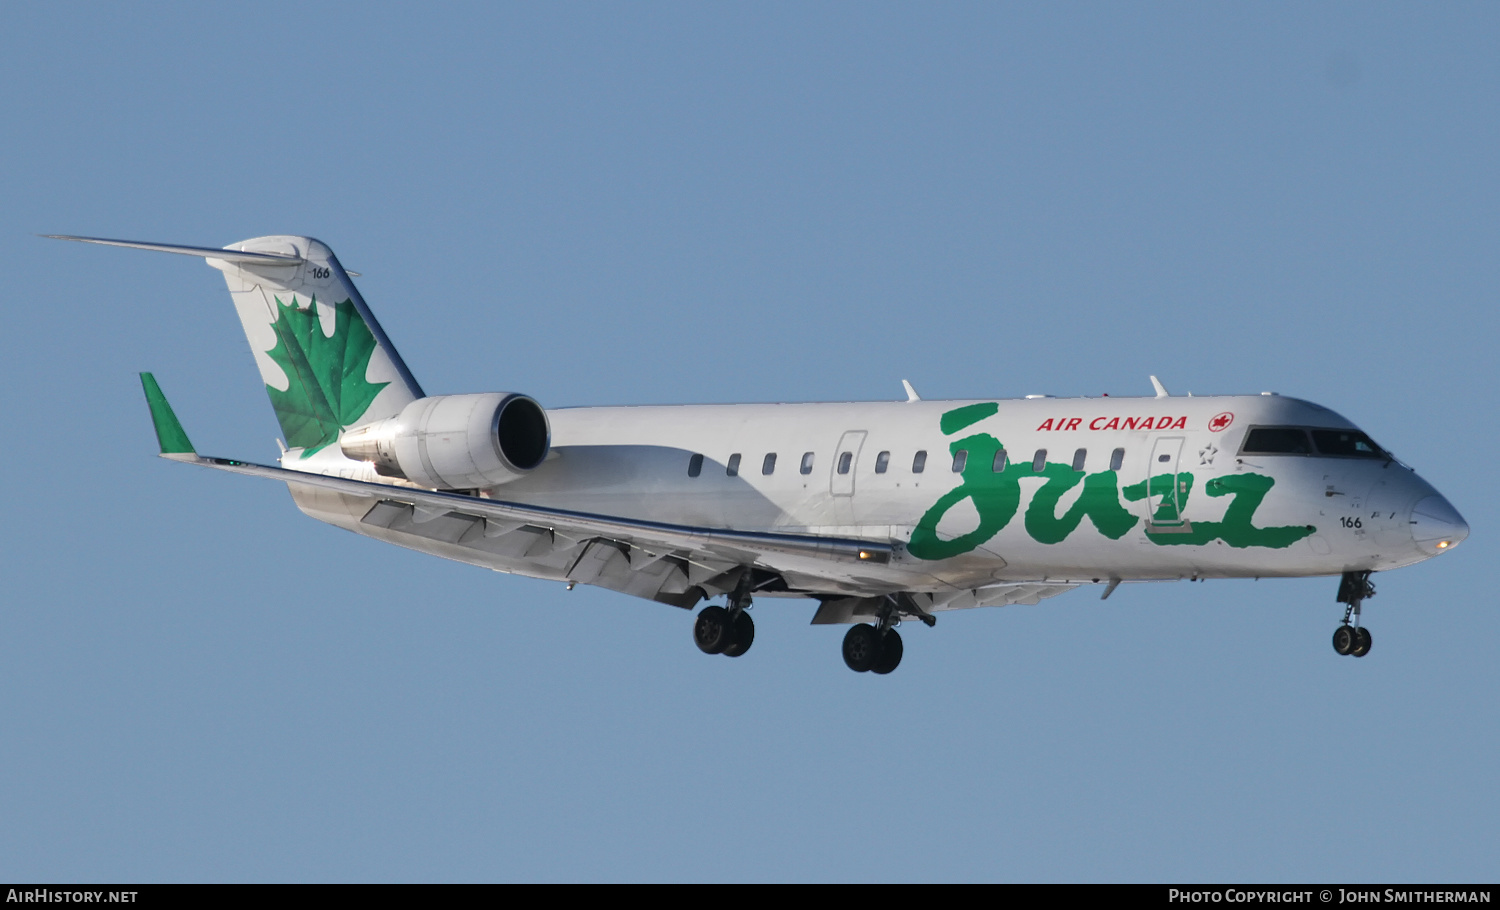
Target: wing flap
<point x="1001" y="595"/>
<point x="605" y="563"/>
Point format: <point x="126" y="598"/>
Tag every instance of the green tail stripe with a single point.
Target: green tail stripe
<point x="169" y="432"/>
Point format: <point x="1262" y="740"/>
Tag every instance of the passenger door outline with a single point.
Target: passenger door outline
<point x="850" y="443"/>
<point x="1169" y="501"/>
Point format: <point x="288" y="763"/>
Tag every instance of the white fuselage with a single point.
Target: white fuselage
<point x="1127" y="488"/>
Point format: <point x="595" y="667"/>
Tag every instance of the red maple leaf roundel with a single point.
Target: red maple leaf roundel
<point x="1221" y="421"/>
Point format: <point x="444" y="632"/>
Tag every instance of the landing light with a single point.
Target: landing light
<point x="1441" y="545"/>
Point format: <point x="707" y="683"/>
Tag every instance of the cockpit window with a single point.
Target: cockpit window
<point x="1346" y="442"/>
<point x="1309" y="441"/>
<point x="1277" y="441"/>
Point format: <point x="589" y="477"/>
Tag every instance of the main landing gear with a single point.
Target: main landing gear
<point x="877" y="648"/>
<point x="867" y="649"/>
<point x="727" y="630"/>
<point x="1353" y="639"/>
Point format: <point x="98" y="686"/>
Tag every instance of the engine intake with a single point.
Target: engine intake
<point x="456" y="442"/>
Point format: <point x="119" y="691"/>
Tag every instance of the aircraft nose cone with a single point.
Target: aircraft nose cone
<point x="1436" y="526"/>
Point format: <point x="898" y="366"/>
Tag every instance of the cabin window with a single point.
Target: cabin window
<point x="1116" y="459"/>
<point x="695" y="465"/>
<point x="882" y="461"/>
<point x="919" y="462"/>
<point x="1351" y="443"/>
<point x="1039" y="461"/>
<point x="807" y="460"/>
<point x="733" y="468"/>
<point x="845" y="460"/>
<point x="1276" y="441"/>
<point x="1079" y="457"/>
<point x="1002" y="458"/>
<point x="769" y="465"/>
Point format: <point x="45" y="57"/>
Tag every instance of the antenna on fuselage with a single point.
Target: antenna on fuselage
<point x="1161" y="390"/>
<point x="911" y="393"/>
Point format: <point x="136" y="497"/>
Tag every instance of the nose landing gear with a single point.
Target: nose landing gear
<point x="1353" y="639"/>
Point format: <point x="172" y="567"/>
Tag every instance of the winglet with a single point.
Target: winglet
<point x="1161" y="390"/>
<point x="169" y="432"/>
<point x="911" y="393"/>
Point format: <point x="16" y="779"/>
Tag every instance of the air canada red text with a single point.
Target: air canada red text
<point x="1115" y="423"/>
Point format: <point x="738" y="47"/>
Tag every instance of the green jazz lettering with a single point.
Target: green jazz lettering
<point x="1236" y="528"/>
<point x="1099" y="500"/>
<point x="996" y="497"/>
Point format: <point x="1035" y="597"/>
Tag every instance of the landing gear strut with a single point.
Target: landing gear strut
<point x="1353" y="639"/>
<point x="727" y="630"/>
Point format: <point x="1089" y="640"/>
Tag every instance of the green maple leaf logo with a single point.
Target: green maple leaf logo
<point x="326" y="385"/>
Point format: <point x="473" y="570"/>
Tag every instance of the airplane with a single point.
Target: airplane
<point x="878" y="512"/>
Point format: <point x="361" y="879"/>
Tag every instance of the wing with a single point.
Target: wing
<point x="675" y="564"/>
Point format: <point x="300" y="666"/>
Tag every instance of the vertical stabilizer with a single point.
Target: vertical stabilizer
<point x="326" y="362"/>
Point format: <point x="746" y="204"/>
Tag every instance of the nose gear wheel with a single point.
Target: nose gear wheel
<point x="1352" y="639"/>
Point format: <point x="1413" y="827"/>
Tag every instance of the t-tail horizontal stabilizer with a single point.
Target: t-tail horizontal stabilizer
<point x="239" y="257"/>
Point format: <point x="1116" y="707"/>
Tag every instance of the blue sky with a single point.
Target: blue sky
<point x="649" y="203"/>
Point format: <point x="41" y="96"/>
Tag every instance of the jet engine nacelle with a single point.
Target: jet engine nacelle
<point x="456" y="442"/>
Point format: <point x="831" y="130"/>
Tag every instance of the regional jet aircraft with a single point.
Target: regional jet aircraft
<point x="878" y="512"/>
